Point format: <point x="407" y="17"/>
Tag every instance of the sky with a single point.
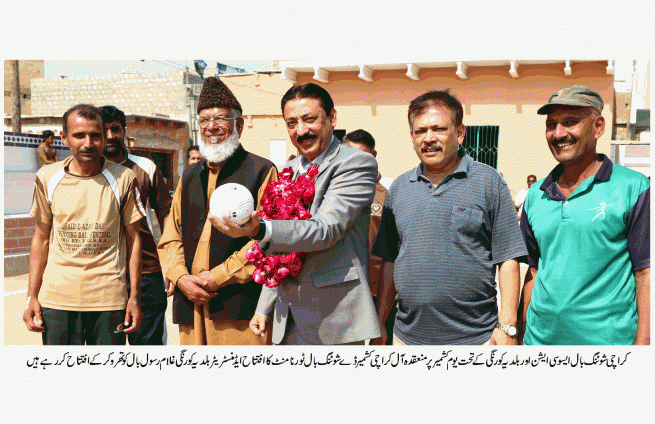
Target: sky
<point x="80" y="68"/>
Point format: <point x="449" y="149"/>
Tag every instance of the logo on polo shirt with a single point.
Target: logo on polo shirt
<point x="600" y="209"/>
<point x="376" y="209"/>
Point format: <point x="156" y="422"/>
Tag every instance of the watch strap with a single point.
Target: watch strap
<point x="506" y="328"/>
<point x="262" y="231"/>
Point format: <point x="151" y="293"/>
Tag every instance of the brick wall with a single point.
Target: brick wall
<point x="132" y="93"/>
<point x="18" y="234"/>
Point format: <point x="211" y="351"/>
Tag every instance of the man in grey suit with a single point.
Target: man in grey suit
<point x="329" y="302"/>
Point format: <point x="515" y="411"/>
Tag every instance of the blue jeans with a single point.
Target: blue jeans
<point x="153" y="306"/>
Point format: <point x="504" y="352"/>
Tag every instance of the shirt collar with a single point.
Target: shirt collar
<point x="550" y="183"/>
<point x="68" y="160"/>
<point x="463" y="167"/>
<point x="304" y="165"/>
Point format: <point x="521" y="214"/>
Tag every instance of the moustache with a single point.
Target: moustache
<point x="89" y="150"/>
<point x="309" y="136"/>
<point x="567" y="139"/>
<point x="431" y="147"/>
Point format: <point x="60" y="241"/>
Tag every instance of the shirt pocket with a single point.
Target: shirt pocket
<point x="465" y="223"/>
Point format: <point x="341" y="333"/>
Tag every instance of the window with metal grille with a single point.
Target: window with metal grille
<point x="481" y="143"/>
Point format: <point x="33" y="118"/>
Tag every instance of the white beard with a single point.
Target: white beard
<point x="217" y="153"/>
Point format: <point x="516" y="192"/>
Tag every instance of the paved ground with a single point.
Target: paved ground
<point x="16" y="333"/>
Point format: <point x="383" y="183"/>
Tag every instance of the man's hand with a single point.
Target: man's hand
<point x="259" y="324"/>
<point x="499" y="337"/>
<point x="32" y="316"/>
<point x="379" y="341"/>
<point x="208" y="282"/>
<point x="226" y="226"/>
<point x="191" y="286"/>
<point x="133" y="316"/>
<point x="642" y="291"/>
<point x="169" y="287"/>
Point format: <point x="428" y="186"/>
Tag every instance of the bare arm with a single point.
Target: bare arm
<point x="38" y="260"/>
<point x="509" y="285"/>
<point x="642" y="278"/>
<point x="526" y="296"/>
<point x="385" y="297"/>
<point x="133" y="309"/>
<point x="162" y="214"/>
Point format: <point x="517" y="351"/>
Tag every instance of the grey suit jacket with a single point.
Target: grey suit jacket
<point x="330" y="299"/>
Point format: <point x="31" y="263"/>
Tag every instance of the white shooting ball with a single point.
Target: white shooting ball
<point x="232" y="200"/>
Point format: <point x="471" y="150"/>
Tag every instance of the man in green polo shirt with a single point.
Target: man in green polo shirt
<point x="587" y="230"/>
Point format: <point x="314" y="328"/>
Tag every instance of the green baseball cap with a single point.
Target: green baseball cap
<point x="578" y="95"/>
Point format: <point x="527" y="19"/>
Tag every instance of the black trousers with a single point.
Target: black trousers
<point x="79" y="328"/>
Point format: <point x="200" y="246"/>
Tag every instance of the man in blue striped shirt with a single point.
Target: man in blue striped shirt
<point x="445" y="226"/>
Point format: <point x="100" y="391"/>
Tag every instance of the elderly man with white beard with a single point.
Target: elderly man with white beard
<point x="214" y="295"/>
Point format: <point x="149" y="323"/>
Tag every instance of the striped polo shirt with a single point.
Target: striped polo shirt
<point x="445" y="241"/>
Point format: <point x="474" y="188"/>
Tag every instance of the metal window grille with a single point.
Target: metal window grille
<point x="481" y="143"/>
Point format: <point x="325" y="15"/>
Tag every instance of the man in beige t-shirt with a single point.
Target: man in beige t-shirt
<point x="87" y="212"/>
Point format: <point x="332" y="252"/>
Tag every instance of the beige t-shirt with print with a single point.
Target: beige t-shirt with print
<point x="86" y="268"/>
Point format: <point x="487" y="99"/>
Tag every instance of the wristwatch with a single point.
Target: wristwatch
<point x="508" y="329"/>
<point x="262" y="231"/>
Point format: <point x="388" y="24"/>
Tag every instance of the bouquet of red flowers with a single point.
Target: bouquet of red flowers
<point x="283" y="199"/>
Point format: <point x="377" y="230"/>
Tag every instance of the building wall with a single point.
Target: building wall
<point x="21" y="164"/>
<point x="162" y="136"/>
<point x="258" y="134"/>
<point x="131" y="92"/>
<point x="19" y="230"/>
<point x="36" y="125"/>
<point x="27" y="70"/>
<point x="166" y="94"/>
<point x="260" y="95"/>
<point x="490" y="96"/>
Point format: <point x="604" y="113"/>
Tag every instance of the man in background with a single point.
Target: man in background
<point x="363" y="140"/>
<point x="153" y="194"/>
<point x="46" y="153"/>
<point x="194" y="155"/>
<point x="520" y="197"/>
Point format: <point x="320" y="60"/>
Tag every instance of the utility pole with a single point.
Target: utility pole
<point x="189" y="102"/>
<point x="16" y="125"/>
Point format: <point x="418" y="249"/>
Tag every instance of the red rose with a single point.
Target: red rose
<point x="281" y="273"/>
<point x="257" y="276"/>
<point x="286" y="173"/>
<point x="312" y="172"/>
<point x="283" y="200"/>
